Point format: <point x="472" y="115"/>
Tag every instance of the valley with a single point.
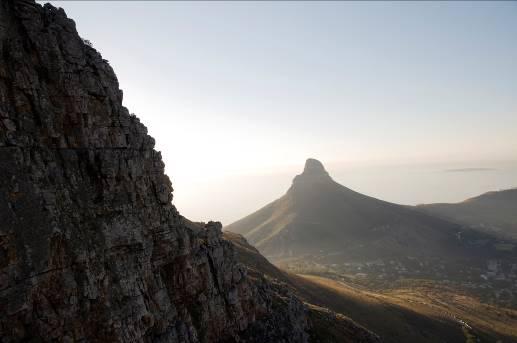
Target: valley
<point x="495" y="284"/>
<point x="405" y="311"/>
<point x="458" y="312"/>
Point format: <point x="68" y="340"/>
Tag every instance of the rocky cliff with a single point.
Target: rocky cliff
<point x="91" y="248"/>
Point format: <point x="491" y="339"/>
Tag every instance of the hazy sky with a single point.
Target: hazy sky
<point x="239" y="94"/>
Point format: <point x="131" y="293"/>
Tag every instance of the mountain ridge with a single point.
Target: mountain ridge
<point x="310" y="193"/>
<point x="492" y="212"/>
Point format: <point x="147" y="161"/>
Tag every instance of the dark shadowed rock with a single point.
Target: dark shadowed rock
<point x="91" y="248"/>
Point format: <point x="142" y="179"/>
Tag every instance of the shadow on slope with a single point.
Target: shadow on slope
<point x="326" y="325"/>
<point x="393" y="319"/>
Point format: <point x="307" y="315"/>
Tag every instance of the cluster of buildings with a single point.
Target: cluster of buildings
<point x="495" y="282"/>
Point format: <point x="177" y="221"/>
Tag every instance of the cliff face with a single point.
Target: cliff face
<point x="90" y="246"/>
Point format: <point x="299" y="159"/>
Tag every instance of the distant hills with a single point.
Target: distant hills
<point x="317" y="215"/>
<point x="494" y="212"/>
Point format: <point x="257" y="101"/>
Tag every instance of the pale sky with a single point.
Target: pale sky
<point x="239" y="94"/>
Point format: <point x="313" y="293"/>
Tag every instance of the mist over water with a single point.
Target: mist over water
<point x="430" y="183"/>
<point x="241" y="194"/>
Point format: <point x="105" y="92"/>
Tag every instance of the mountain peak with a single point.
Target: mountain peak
<point x="313" y="166"/>
<point x="314" y="171"/>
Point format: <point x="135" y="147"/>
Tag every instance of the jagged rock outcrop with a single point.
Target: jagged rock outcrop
<point x="91" y="248"/>
<point x="314" y="171"/>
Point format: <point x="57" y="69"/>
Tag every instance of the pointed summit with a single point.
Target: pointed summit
<point x="313" y="166"/>
<point x="314" y="171"/>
